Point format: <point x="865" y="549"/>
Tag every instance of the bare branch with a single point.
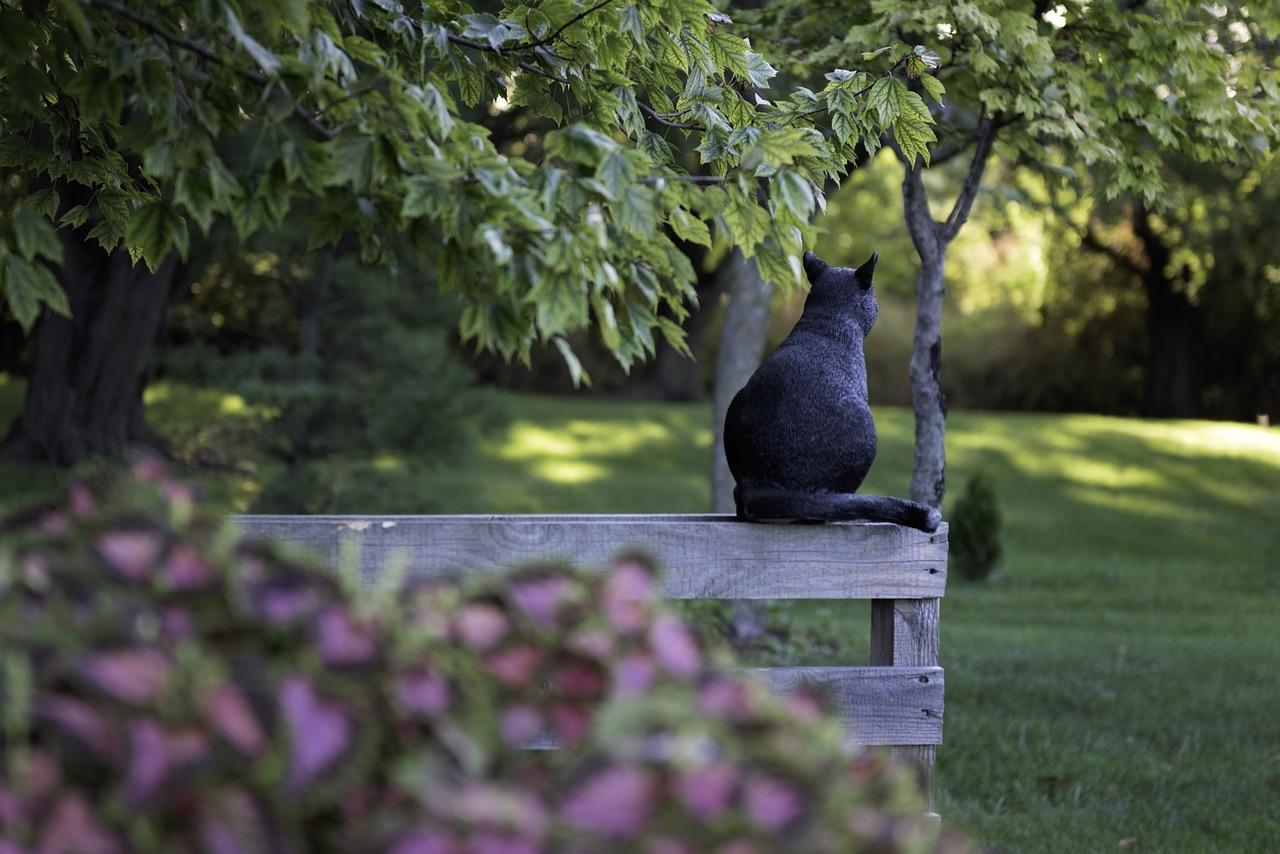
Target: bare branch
<point x="660" y="119"/>
<point x="688" y="179"/>
<point x="969" y="190"/>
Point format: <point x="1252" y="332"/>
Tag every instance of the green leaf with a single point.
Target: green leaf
<point x="795" y="193"/>
<point x="79" y="22"/>
<point x="885" y="98"/>
<point x="75" y="216"/>
<point x="759" y="72"/>
<point x="632" y="25"/>
<point x="576" y="372"/>
<point x="27" y="285"/>
<point x="747" y="221"/>
<point x="933" y="86"/>
<point x="688" y="227"/>
<point x="781" y="147"/>
<point x="154" y="229"/>
<point x="615" y="172"/>
<point x="637" y="212"/>
<point x="43" y="202"/>
<point x="867" y="56"/>
<point x="267" y="61"/>
<point x="36" y="237"/>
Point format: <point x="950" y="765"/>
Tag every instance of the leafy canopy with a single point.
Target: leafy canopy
<point x="368" y="117"/>
<point x="1115" y="87"/>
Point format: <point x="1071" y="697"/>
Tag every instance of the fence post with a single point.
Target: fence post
<point x="904" y="633"/>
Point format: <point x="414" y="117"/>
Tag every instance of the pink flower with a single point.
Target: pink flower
<point x="705" y="791"/>
<point x="614" y="802"/>
<point x="515" y="667"/>
<point x="626" y="597"/>
<point x="570" y="723"/>
<point x="131" y="553"/>
<point x="481" y="626"/>
<point x="674" y="646"/>
<point x="79" y="720"/>
<point x="424" y="842"/>
<point x="231" y="716"/>
<point x="725" y="697"/>
<point x="520" y="725"/>
<point x="72" y="826"/>
<point x="134" y="675"/>
<point x="634" y="674"/>
<point x="541" y="598"/>
<point x="422" y="691"/>
<point x="319" y="732"/>
<point x="186" y="569"/>
<point x="342" y="640"/>
<point x="579" y="678"/>
<point x="771" y="803"/>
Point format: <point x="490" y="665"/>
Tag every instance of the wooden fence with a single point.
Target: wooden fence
<point x="897" y="699"/>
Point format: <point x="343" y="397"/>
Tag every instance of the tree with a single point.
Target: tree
<point x="131" y="126"/>
<point x="1110" y="88"/>
<point x="1206" y="271"/>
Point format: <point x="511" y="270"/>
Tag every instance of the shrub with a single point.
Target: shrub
<point x="167" y="688"/>
<point x="975" y="530"/>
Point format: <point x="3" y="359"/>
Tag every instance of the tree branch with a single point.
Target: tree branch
<point x="1090" y="239"/>
<point x="925" y="232"/>
<point x="209" y="56"/>
<point x="658" y="117"/>
<point x="488" y="48"/>
<point x="688" y="179"/>
<point x="969" y="190"/>
<point x="566" y="25"/>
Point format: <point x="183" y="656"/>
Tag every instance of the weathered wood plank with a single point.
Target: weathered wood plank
<point x="904" y="633"/>
<point x="703" y="557"/>
<point x="879" y="705"/>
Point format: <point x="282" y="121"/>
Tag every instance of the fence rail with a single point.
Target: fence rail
<point x="897" y="700"/>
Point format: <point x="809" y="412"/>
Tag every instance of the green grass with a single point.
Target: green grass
<point x="1119" y="678"/>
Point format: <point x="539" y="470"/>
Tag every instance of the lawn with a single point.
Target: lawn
<point x="1116" y="685"/>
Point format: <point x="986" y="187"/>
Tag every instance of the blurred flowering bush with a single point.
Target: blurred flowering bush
<point x="167" y="688"/>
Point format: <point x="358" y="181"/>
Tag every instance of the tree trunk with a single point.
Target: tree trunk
<point x="674" y="376"/>
<point x="928" y="475"/>
<point x="931" y="239"/>
<point x="1171" y="319"/>
<point x="742" y="340"/>
<point x="88" y="372"/>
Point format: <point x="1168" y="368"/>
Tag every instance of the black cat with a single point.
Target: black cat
<point x="799" y="435"/>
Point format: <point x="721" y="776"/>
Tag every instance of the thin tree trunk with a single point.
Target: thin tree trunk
<point x="88" y="372"/>
<point x="928" y="474"/>
<point x="742" y="340"/>
<point x="931" y="239"/>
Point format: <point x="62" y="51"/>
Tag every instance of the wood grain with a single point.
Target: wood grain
<point x="879" y="705"/>
<point x="703" y="557"/>
<point x="904" y="633"/>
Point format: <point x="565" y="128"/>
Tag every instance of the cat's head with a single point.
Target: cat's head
<point x="845" y="290"/>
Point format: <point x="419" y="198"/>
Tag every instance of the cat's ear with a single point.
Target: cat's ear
<point x="867" y="270"/>
<point x="813" y="266"/>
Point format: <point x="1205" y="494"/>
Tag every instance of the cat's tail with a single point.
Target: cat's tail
<point x="771" y="503"/>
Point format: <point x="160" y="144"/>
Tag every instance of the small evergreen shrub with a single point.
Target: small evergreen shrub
<point x="975" y="530"/>
<point x="167" y="688"/>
